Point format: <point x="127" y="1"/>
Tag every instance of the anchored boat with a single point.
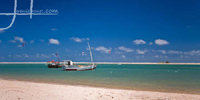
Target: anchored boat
<point x="69" y="66"/>
<point x="53" y="64"/>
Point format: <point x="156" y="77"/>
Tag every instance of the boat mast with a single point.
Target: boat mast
<point x="90" y="52"/>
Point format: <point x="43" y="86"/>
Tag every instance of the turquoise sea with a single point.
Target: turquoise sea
<point x="166" y="78"/>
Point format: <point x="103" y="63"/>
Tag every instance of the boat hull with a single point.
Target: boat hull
<point x="77" y="68"/>
<point x="54" y="66"/>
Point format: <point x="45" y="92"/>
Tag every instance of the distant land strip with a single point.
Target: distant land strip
<point x="106" y="63"/>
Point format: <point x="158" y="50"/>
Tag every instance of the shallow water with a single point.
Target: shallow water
<point x="168" y="78"/>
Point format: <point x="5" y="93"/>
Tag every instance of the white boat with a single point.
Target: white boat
<point x="69" y="66"/>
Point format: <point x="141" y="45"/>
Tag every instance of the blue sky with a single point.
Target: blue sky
<point x="133" y="30"/>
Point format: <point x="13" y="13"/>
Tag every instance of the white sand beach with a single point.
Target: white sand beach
<point x="21" y="90"/>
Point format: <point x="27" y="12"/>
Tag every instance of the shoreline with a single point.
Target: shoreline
<point x="153" y="63"/>
<point x="104" y="87"/>
<point x="12" y="89"/>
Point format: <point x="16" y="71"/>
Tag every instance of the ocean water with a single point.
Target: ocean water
<point x="163" y="78"/>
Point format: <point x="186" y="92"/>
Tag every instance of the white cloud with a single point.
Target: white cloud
<point x="20" y="39"/>
<point x="76" y="39"/>
<point x="162" y="51"/>
<point x="54" y="29"/>
<point x="88" y="39"/>
<point x="25" y="55"/>
<point x="20" y="46"/>
<point x="54" y="41"/>
<point x="185" y="56"/>
<point x="13" y="41"/>
<point x="2" y="31"/>
<point x="138" y="42"/>
<point x="42" y="55"/>
<point x="156" y="56"/>
<point x="150" y="43"/>
<point x="175" y="52"/>
<point x="160" y="56"/>
<point x="139" y="57"/>
<point x="168" y="52"/>
<point x="141" y="51"/>
<point x="123" y="56"/>
<point x="31" y="56"/>
<point x="32" y="41"/>
<point x="161" y="42"/>
<point x="193" y="52"/>
<point x="22" y="55"/>
<point x="125" y="49"/>
<point x="103" y="49"/>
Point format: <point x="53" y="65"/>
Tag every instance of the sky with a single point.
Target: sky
<point x="117" y="30"/>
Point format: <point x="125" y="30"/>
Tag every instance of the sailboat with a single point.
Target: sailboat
<point x="69" y="66"/>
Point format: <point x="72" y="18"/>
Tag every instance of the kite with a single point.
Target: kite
<point x="83" y="53"/>
<point x="23" y="44"/>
